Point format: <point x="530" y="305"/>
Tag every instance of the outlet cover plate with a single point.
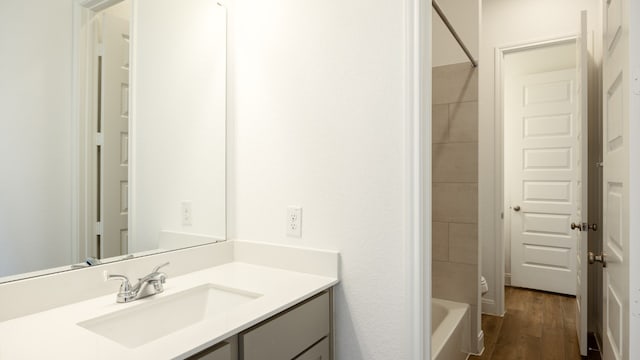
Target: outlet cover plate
<point x="294" y="221"/>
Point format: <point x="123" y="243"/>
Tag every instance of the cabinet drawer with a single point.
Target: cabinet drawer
<point x="319" y="351"/>
<point x="288" y="334"/>
<point x="220" y="351"/>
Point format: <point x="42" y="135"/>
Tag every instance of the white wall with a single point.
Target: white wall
<point x="316" y="114"/>
<point x="504" y="23"/>
<point x="178" y="119"/>
<point x="464" y="15"/>
<point x="35" y="134"/>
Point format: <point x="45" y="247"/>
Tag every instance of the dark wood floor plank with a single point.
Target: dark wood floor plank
<point x="569" y="309"/>
<point x="537" y="326"/>
<point x="491" y="326"/>
<point x="532" y="349"/>
<point x="553" y="337"/>
<point x="534" y="313"/>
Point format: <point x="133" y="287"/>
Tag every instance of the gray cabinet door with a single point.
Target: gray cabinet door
<point x="220" y="351"/>
<point x="289" y="334"/>
<point x="319" y="351"/>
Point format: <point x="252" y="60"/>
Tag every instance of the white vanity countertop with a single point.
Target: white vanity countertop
<point x="54" y="334"/>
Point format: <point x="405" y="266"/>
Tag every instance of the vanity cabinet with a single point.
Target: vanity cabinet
<point x="288" y="335"/>
<point x="302" y="332"/>
<point x="220" y="351"/>
<point x="319" y="351"/>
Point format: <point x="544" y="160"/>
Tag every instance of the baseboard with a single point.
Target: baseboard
<point x="488" y="306"/>
<point x="507" y="279"/>
<point x="480" y="349"/>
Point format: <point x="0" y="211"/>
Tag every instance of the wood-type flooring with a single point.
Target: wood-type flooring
<point x="537" y="326"/>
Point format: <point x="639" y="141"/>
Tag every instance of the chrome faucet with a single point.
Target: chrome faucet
<point x="150" y="284"/>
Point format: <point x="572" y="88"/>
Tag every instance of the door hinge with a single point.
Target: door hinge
<point x="99" y="228"/>
<point x="99" y="139"/>
<point x="100" y="49"/>
<point x="635" y="303"/>
<point x="584" y="227"/>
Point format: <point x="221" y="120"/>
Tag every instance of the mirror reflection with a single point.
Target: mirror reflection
<point x="113" y="130"/>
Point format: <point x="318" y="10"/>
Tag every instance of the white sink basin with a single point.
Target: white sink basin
<point x="161" y="316"/>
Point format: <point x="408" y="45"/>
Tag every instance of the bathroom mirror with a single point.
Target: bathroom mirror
<point x="113" y="132"/>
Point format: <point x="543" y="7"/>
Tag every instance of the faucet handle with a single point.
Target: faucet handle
<point x="125" y="286"/>
<point x="155" y="270"/>
<point x="125" y="293"/>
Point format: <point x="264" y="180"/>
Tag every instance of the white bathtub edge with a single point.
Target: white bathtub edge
<point x="457" y="320"/>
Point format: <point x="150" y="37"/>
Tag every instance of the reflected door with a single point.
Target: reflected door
<point x="582" y="189"/>
<point x="615" y="181"/>
<point x="114" y="128"/>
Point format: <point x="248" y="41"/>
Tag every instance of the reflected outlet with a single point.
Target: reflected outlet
<point x="294" y="221"/>
<point x="187" y="215"/>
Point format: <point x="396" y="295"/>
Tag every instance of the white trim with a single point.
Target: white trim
<point x="500" y="185"/>
<point x="83" y="105"/>
<point x="478" y="352"/>
<point x="534" y="44"/>
<point x="488" y="302"/>
<point x="634" y="182"/>
<point x="97" y="5"/>
<point x="418" y="177"/>
<point x="76" y="147"/>
<point x="132" y="125"/>
<point x="507" y="279"/>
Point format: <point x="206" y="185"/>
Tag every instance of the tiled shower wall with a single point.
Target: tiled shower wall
<point x="455" y="188"/>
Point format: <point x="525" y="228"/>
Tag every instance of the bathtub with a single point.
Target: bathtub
<point x="450" y="323"/>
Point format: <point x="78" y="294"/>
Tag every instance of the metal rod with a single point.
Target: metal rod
<point x="454" y="33"/>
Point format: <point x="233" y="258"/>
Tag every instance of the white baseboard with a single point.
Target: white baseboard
<point x="488" y="306"/>
<point x="480" y="349"/>
<point x="507" y="279"/>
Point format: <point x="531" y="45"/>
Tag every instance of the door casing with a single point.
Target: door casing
<point x="502" y="225"/>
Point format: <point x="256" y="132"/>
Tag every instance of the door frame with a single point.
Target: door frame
<point x="502" y="223"/>
<point x="84" y="110"/>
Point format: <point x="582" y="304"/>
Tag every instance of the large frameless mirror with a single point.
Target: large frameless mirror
<point x="113" y="130"/>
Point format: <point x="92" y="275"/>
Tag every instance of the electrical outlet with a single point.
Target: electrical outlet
<point x="294" y="221"/>
<point x="187" y="214"/>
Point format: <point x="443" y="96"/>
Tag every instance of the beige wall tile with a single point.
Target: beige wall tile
<point x="463" y="243"/>
<point x="440" y="123"/>
<point x="440" y="241"/>
<point x="457" y="282"/>
<point x="456" y="162"/>
<point x="455" y="202"/>
<point x="463" y="122"/>
<point x="455" y="83"/>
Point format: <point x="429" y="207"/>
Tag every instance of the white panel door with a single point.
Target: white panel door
<point x="545" y="172"/>
<point x="582" y="188"/>
<point x="114" y="123"/>
<point x="615" y="181"/>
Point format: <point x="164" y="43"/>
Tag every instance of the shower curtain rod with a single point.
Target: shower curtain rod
<point x="454" y="33"/>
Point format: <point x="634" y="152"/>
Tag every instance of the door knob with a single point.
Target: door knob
<point x="593" y="258"/>
<point x="516" y="208"/>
